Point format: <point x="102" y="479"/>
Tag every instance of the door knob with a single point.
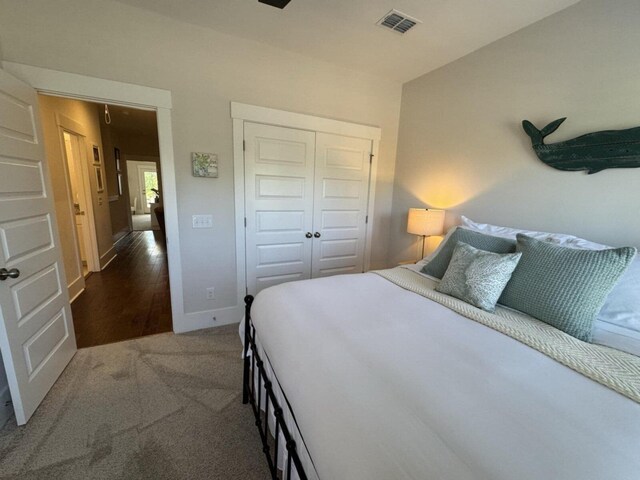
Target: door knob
<point x="317" y="234"/>
<point x="308" y="235"/>
<point x="13" y="273"/>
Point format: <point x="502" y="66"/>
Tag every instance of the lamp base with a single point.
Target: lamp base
<point x="423" y="242"/>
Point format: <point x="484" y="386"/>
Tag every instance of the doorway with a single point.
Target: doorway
<point x="73" y="144"/>
<point x="148" y="187"/>
<point x="130" y="298"/>
<point x="28" y="392"/>
<point x="145" y="187"/>
<point x="127" y="294"/>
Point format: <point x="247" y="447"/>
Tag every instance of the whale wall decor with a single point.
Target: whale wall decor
<point x="592" y="152"/>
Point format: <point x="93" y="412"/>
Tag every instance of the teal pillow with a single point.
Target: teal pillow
<point x="562" y="286"/>
<point x="439" y="263"/>
<point x="476" y="276"/>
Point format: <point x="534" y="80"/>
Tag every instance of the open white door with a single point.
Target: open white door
<point x="36" y="330"/>
<point x="79" y="203"/>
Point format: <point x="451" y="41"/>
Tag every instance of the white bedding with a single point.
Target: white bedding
<point x="386" y="384"/>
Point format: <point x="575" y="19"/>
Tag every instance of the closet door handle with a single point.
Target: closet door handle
<point x="317" y="234"/>
<point x="308" y="235"/>
<point x="13" y="273"/>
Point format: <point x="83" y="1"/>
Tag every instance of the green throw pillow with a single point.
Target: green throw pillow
<point x="476" y="276"/>
<point x="439" y="263"/>
<point x="564" y="287"/>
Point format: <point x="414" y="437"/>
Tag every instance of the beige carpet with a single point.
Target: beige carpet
<point x="161" y="407"/>
<point x="141" y="222"/>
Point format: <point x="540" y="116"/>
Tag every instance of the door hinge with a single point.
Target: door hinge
<point x="366" y="219"/>
<point x="371" y="158"/>
<point x="245" y="222"/>
<point x="244" y="145"/>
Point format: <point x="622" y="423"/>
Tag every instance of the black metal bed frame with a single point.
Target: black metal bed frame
<point x="249" y="396"/>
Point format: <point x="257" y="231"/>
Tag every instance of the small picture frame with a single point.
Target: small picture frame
<point x="204" y="164"/>
<point x="96" y="155"/>
<point x="119" y="183"/>
<point x="99" y="179"/>
<point x="116" y="154"/>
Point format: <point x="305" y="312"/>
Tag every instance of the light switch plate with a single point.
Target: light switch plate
<point x="202" y="221"/>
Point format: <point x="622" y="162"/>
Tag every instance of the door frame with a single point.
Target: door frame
<point x="66" y="124"/>
<point x="242" y="112"/>
<point x="92" y="89"/>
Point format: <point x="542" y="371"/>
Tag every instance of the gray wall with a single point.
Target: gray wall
<point x="205" y="71"/>
<point x="461" y="146"/>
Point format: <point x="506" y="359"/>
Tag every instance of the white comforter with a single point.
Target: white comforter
<point x="386" y="384"/>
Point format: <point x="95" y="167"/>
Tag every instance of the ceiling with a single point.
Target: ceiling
<point x="344" y="32"/>
<point x="132" y="120"/>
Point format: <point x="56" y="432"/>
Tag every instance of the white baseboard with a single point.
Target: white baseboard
<point x="205" y="319"/>
<point x="107" y="258"/>
<point x="5" y="410"/>
<point x="75" y="288"/>
<point x="71" y="299"/>
<point x="121" y="234"/>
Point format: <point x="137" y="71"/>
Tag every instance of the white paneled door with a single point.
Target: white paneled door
<point x="36" y="330"/>
<point x="279" y="166"/>
<point x="306" y="196"/>
<point x="340" y="204"/>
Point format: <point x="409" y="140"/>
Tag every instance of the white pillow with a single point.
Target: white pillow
<point x="557" y="238"/>
<point x="618" y="323"/>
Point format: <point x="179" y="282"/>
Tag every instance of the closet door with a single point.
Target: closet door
<point x="279" y="165"/>
<point x="340" y="204"/>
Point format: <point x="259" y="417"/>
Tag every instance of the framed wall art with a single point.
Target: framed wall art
<point x="96" y="155"/>
<point x="116" y="155"/>
<point x="204" y="164"/>
<point x="99" y="179"/>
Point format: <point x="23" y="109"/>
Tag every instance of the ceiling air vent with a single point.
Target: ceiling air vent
<point x="398" y="22"/>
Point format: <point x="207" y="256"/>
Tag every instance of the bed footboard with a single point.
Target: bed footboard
<point x="252" y="391"/>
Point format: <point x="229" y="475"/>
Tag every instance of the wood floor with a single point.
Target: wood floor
<point x="130" y="298"/>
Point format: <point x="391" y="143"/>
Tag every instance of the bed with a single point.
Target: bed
<point x="372" y="376"/>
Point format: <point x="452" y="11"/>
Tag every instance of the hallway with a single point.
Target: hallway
<point x="130" y="298"/>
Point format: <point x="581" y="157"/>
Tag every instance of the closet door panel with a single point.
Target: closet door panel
<point x="340" y="204"/>
<point x="279" y="169"/>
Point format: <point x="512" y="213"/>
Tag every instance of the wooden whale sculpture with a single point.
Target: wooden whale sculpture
<point x="592" y="152"/>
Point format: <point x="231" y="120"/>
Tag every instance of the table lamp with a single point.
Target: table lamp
<point x="425" y="222"/>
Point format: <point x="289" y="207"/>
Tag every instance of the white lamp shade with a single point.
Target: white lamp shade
<point x="425" y="221"/>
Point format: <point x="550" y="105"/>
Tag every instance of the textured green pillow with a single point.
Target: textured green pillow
<point x="439" y="263"/>
<point x="564" y="287"/>
<point x="476" y="276"/>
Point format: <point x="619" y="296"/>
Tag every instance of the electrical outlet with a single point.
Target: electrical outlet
<point x="211" y="295"/>
<point x="202" y="221"/>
